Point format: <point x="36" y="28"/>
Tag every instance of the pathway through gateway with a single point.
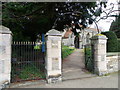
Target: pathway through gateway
<point x="74" y="67"/>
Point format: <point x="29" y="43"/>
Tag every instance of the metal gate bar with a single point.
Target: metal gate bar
<point x="89" y="63"/>
<point x="27" y="62"/>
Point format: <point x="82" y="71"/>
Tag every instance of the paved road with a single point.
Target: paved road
<point x="75" y="76"/>
<point x="94" y="82"/>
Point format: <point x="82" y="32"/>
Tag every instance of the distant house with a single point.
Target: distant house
<point x="68" y="36"/>
<point x="86" y="34"/>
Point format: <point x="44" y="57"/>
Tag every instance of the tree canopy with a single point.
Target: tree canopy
<point x="28" y="19"/>
<point x="115" y="26"/>
<point x="112" y="42"/>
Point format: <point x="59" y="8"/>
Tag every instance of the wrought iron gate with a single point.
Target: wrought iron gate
<point x="89" y="63"/>
<point x="27" y="61"/>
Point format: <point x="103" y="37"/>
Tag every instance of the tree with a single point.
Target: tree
<point x="115" y="26"/>
<point x="26" y="20"/>
<point x="112" y="42"/>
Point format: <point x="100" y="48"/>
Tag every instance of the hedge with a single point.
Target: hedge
<point x="112" y="42"/>
<point x="118" y="45"/>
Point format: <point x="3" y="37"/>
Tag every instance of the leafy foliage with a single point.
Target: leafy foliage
<point x="31" y="72"/>
<point x="118" y="45"/>
<point x="115" y="26"/>
<point x="28" y="19"/>
<point x="112" y="42"/>
<point x="28" y="72"/>
<point x="66" y="51"/>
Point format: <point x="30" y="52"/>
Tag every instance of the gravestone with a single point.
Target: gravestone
<point x="53" y="56"/>
<point x="5" y="55"/>
<point x="98" y="43"/>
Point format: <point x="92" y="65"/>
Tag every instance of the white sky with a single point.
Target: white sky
<point x="104" y="25"/>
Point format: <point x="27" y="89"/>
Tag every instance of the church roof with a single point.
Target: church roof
<point x="92" y="29"/>
<point x="67" y="33"/>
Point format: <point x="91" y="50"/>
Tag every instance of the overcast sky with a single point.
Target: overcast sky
<point x="104" y="25"/>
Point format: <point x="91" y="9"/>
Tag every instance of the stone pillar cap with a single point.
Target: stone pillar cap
<point x="4" y="30"/>
<point x="53" y="32"/>
<point x="99" y="36"/>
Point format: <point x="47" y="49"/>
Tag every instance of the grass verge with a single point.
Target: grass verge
<point x="67" y="51"/>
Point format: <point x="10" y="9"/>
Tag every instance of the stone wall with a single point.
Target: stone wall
<point x="65" y="41"/>
<point x="112" y="62"/>
<point x="5" y="56"/>
<point x="68" y="41"/>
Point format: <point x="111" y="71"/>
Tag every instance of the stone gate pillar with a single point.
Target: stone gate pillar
<point x="5" y="55"/>
<point x="53" y="56"/>
<point x="98" y="43"/>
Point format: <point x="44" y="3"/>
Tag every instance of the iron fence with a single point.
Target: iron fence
<point x="89" y="63"/>
<point x="27" y="61"/>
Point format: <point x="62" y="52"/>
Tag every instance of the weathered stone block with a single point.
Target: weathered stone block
<point x="112" y="63"/>
<point x="53" y="52"/>
<point x="99" y="55"/>
<point x="53" y="56"/>
<point x="2" y="66"/>
<point x="5" y="55"/>
<point x="48" y="44"/>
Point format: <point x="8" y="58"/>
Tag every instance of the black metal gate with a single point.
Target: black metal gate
<point x="27" y="62"/>
<point x="89" y="63"/>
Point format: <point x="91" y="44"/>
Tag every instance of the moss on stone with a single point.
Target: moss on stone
<point x="99" y="34"/>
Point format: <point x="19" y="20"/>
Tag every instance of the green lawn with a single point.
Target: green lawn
<point x="27" y="72"/>
<point x="67" y="51"/>
<point x="31" y="72"/>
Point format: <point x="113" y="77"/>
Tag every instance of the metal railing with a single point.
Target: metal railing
<point x="89" y="63"/>
<point x="27" y="61"/>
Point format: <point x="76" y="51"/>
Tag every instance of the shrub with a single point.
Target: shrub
<point x="66" y="51"/>
<point x="118" y="45"/>
<point x="31" y="72"/>
<point x="112" y="42"/>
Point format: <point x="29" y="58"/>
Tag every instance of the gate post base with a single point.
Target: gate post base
<point x="99" y="54"/>
<point x="53" y="56"/>
<point x="54" y="79"/>
<point x="5" y="56"/>
<point x="101" y="73"/>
